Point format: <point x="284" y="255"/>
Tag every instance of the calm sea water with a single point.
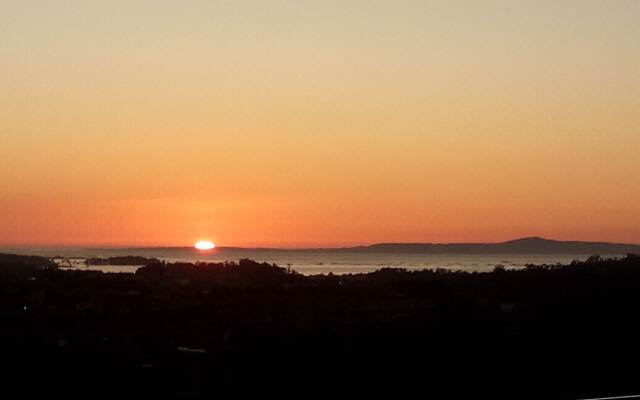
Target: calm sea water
<point x="308" y="262"/>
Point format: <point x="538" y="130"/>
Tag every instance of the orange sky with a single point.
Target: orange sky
<point x="317" y="123"/>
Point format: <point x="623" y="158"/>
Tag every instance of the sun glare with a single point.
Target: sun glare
<point x="204" y="245"/>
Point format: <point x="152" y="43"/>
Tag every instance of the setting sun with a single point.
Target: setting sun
<point x="204" y="245"/>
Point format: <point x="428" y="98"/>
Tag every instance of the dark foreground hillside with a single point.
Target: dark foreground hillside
<point x="199" y="331"/>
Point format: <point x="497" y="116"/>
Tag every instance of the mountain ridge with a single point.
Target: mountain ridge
<point x="528" y="245"/>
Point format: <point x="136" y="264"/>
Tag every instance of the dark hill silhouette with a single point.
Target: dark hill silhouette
<point x="529" y="245"/>
<point x="190" y="331"/>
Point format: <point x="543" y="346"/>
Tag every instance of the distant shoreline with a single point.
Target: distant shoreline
<point x="529" y="245"/>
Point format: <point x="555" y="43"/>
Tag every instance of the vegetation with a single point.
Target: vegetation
<point x="126" y="260"/>
<point x="195" y="330"/>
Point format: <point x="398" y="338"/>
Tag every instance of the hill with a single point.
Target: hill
<point x="530" y="245"/>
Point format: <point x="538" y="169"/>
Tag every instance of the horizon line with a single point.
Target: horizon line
<point x="336" y="247"/>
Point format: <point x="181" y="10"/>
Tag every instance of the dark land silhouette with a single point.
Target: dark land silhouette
<point x="528" y="245"/>
<point x="200" y="330"/>
<point x="126" y="260"/>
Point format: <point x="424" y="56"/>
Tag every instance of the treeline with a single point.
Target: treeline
<point x="186" y="330"/>
<point x="122" y="260"/>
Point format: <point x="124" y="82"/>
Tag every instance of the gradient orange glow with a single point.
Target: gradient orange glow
<point x="318" y="123"/>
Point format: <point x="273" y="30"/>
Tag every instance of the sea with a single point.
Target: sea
<point x="303" y="261"/>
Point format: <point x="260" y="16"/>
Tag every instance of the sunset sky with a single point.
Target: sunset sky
<point x="318" y="123"/>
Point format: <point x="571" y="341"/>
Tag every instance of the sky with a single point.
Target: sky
<point x="318" y="123"/>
